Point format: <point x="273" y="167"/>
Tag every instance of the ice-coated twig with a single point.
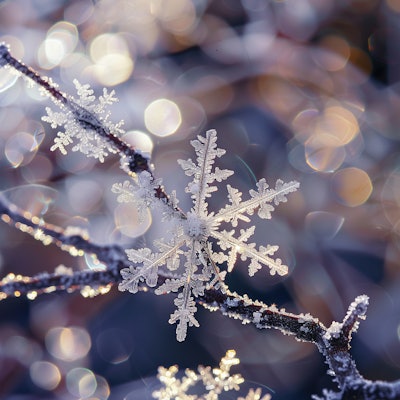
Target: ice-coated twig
<point x="75" y="244"/>
<point x="333" y="342"/>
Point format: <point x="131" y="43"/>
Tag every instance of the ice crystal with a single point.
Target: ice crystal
<point x="189" y="250"/>
<point x="80" y="119"/>
<point x="214" y="380"/>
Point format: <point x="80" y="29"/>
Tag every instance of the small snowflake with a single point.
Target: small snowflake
<point x="214" y="380"/>
<point x="190" y="251"/>
<point x="81" y="119"/>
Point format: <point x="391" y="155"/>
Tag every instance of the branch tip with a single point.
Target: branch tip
<point x="356" y="311"/>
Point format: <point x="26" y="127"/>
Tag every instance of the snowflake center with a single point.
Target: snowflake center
<point x="196" y="227"/>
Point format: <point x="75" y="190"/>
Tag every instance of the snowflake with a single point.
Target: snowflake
<point x="189" y="254"/>
<point x="89" y="114"/>
<point x="214" y="380"/>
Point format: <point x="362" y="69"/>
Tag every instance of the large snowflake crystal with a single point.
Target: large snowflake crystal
<point x="193" y="263"/>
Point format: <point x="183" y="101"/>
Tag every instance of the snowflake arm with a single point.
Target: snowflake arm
<point x="148" y="269"/>
<point x="186" y="308"/>
<point x="201" y="186"/>
<point x="192" y="283"/>
<point x="248" y="250"/>
<point x="140" y="191"/>
<point x="260" y="200"/>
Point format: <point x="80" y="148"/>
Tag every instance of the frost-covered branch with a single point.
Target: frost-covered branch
<point x="333" y="342"/>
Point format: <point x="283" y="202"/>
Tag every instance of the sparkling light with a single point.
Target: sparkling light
<point x="139" y="140"/>
<point x="60" y="41"/>
<point x="81" y="382"/>
<point x="322" y="153"/>
<point x="352" y="185"/>
<point x="162" y="117"/>
<point x="112" y="59"/>
<point x="44" y="374"/>
<point x="127" y="220"/>
<point x="339" y="122"/>
<point x="323" y="224"/>
<point x="20" y="149"/>
<point x="68" y="344"/>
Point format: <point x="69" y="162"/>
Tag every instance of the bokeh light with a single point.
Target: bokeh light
<point x="139" y="140"/>
<point x="61" y="40"/>
<point x="84" y="384"/>
<point x="81" y="382"/>
<point x="334" y="54"/>
<point x="114" y="345"/>
<point x="7" y="79"/>
<point x="178" y="16"/>
<point x="339" y="122"/>
<point x="323" y="224"/>
<point x="18" y="149"/>
<point x="84" y="194"/>
<point x="162" y="117"/>
<point x="324" y="153"/>
<point x="35" y="199"/>
<point x="45" y="374"/>
<point x="352" y="186"/>
<point x="112" y="60"/>
<point x="129" y="222"/>
<point x="68" y="343"/>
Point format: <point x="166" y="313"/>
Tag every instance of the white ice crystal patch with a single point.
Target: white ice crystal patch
<point x="189" y="250"/>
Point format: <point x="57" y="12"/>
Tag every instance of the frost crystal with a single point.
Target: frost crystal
<point x="81" y="119"/>
<point x="214" y="380"/>
<point x="190" y="252"/>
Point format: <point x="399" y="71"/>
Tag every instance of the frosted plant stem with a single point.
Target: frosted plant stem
<point x="333" y="342"/>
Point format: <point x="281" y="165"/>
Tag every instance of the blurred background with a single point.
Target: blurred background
<point x="306" y="90"/>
